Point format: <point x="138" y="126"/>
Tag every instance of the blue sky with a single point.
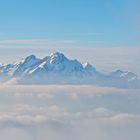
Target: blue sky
<point x="105" y="23"/>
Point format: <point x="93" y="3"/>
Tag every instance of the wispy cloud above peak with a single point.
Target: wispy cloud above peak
<point x="32" y="43"/>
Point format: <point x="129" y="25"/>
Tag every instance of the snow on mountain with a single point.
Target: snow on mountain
<point x="124" y="74"/>
<point x="58" y="69"/>
<point x="25" y="65"/>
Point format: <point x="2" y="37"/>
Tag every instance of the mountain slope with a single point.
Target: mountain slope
<point x="58" y="69"/>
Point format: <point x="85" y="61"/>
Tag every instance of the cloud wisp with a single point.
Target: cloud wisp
<point x="41" y="43"/>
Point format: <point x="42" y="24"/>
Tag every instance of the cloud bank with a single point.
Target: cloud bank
<point x="68" y="112"/>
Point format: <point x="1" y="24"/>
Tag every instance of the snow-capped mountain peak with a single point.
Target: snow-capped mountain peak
<point x="29" y="58"/>
<point x="57" y="57"/>
<point x="58" y="69"/>
<point x="124" y="74"/>
<point x="25" y="64"/>
<point x="88" y="67"/>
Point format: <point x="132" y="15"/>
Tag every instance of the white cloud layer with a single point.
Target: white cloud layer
<point x="68" y="112"/>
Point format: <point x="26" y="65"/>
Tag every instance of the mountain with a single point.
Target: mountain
<point x="58" y="69"/>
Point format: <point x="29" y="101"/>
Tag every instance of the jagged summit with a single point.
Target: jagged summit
<point x="89" y="67"/>
<point x="30" y="57"/>
<point x="58" y="69"/>
<point x="57" y="55"/>
<point x="124" y="74"/>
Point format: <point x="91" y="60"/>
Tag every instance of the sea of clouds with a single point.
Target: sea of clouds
<point x="68" y="112"/>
